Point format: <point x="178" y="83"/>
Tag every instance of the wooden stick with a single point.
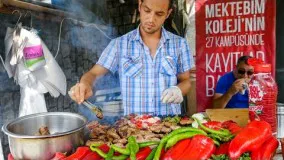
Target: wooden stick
<point x="1" y="3"/>
<point x="33" y="7"/>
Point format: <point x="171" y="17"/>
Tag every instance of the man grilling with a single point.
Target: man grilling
<point x="153" y="65"/>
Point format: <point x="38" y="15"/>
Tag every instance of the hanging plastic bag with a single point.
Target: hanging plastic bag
<point x="33" y="67"/>
<point x="51" y="74"/>
<point x="32" y="92"/>
<point x="31" y="102"/>
<point x="47" y="71"/>
<point x="32" y="52"/>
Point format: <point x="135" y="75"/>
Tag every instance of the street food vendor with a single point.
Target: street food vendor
<point x="231" y="89"/>
<point x="153" y="65"/>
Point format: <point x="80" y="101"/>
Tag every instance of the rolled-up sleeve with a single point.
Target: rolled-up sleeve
<point x="185" y="60"/>
<point x="109" y="59"/>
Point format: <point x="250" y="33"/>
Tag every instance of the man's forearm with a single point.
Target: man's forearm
<point x="184" y="86"/>
<point x="88" y="78"/>
<point x="184" y="82"/>
<point x="222" y="101"/>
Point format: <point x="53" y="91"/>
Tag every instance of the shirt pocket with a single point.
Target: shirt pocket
<point x="168" y="66"/>
<point x="132" y="66"/>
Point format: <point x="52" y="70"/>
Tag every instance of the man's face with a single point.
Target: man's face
<point x="244" y="71"/>
<point x="153" y="14"/>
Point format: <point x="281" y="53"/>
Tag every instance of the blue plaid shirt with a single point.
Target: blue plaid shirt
<point x="143" y="78"/>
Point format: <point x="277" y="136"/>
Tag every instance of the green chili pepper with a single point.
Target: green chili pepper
<point x="165" y="138"/>
<point x="133" y="143"/>
<point x="120" y="157"/>
<point x="150" y="143"/>
<point x="152" y="154"/>
<point x="174" y="139"/>
<point x="110" y="154"/>
<point x="100" y="152"/>
<point x="217" y="143"/>
<point x="215" y="136"/>
<point x="132" y="154"/>
<point x="133" y="147"/>
<point x="220" y="157"/>
<point x="95" y="144"/>
<point x="124" y="151"/>
<point x="222" y="132"/>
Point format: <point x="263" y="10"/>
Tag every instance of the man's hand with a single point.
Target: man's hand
<point x="172" y="95"/>
<point x="80" y="92"/>
<point x="238" y="86"/>
<point x="83" y="90"/>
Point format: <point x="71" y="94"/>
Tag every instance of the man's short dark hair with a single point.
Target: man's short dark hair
<point x="243" y="59"/>
<point x="170" y="3"/>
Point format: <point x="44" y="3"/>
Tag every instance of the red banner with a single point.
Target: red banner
<point x="226" y="30"/>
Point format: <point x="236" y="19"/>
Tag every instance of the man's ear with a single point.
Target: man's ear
<point x="139" y="5"/>
<point x="169" y="12"/>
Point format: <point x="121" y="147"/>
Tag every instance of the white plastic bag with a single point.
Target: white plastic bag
<point x="31" y="102"/>
<point x="34" y="81"/>
<point x="32" y="92"/>
<point x="51" y="74"/>
<point x="32" y="52"/>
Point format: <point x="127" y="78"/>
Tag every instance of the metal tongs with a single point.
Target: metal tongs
<point x="95" y="109"/>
